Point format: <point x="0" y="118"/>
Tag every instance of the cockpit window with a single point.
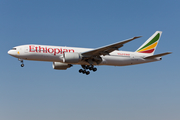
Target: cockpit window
<point x="13" y="49"/>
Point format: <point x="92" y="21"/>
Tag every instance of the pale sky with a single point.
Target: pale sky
<point x="38" y="92"/>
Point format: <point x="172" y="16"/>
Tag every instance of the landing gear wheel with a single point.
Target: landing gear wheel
<point x="94" y="69"/>
<point x="22" y="65"/>
<point x="90" y="68"/>
<point x="87" y="67"/>
<point x="21" y="60"/>
<point x="84" y="71"/>
<point x="80" y="71"/>
<point x="87" y="73"/>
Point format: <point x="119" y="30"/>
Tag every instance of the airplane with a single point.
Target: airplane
<point x="66" y="57"/>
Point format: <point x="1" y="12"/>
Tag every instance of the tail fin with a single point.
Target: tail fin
<point x="150" y="45"/>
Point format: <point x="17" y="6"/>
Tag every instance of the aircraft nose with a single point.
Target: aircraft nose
<point x="9" y="52"/>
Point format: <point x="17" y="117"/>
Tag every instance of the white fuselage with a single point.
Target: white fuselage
<point x="55" y="54"/>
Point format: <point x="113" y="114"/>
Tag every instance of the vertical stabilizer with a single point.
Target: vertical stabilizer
<point x="150" y="45"/>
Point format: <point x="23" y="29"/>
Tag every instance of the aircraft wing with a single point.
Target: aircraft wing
<point x="108" y="49"/>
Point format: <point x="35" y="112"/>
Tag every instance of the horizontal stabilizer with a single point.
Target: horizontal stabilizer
<point x="158" y="55"/>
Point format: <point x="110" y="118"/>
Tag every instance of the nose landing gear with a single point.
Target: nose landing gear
<point x="22" y="64"/>
<point x="85" y="67"/>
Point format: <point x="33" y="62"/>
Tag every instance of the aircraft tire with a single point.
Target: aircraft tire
<point x="87" y="73"/>
<point x="84" y="71"/>
<point x="22" y="65"/>
<point x="94" y="69"/>
<point x="90" y="68"/>
<point x="87" y="67"/>
<point x="80" y="71"/>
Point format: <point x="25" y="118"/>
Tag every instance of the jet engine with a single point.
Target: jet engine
<point x="71" y="57"/>
<point x="61" y="66"/>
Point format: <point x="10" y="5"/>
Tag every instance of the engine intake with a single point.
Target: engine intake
<point x="61" y="66"/>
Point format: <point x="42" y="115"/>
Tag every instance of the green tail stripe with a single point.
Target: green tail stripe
<point x="156" y="38"/>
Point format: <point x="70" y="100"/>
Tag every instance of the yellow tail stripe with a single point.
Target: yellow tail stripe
<point x="149" y="47"/>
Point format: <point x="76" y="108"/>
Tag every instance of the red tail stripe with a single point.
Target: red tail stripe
<point x="148" y="51"/>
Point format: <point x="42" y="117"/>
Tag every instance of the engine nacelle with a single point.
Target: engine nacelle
<point x="71" y="57"/>
<point x="61" y="66"/>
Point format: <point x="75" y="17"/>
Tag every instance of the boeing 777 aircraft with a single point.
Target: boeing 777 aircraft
<point x="66" y="57"/>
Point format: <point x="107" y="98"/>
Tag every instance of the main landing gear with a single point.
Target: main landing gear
<point x="22" y="64"/>
<point x="85" y="68"/>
